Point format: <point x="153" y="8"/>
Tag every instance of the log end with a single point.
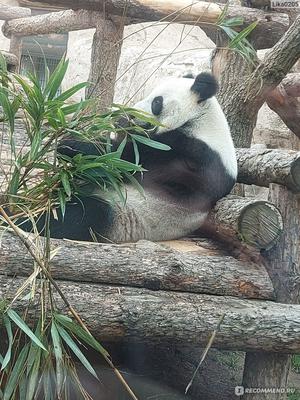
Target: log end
<point x="260" y="225"/>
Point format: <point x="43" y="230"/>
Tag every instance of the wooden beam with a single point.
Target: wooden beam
<point x="115" y="313"/>
<point x="262" y="167"/>
<point x="201" y="13"/>
<point x="144" y="264"/>
<point x="10" y="12"/>
<point x="55" y="22"/>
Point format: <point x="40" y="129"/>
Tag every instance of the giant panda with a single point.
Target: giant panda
<point x="180" y="185"/>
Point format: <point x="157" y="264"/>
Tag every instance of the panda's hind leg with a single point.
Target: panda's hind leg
<point x="85" y="219"/>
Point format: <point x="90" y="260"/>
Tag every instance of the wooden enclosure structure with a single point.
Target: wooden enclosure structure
<point x="175" y="292"/>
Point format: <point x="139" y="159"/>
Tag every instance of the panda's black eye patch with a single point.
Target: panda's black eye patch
<point x="157" y="105"/>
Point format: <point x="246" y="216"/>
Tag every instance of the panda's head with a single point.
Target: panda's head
<point x="177" y="101"/>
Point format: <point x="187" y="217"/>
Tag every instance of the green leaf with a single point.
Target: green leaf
<point x="56" y="79"/>
<point x="35" y="145"/>
<point x="58" y="357"/>
<point x="243" y="34"/>
<point x="151" y="143"/>
<point x="7" y="109"/>
<point x="236" y="21"/>
<point x="33" y="376"/>
<point x="14" y="182"/>
<point x="81" y="333"/>
<point x="73" y="108"/>
<point x="70" y="92"/>
<point x="15" y="375"/>
<point x="136" y="151"/>
<point x="66" y="184"/>
<point x="24" y="327"/>
<point x="7" y="357"/>
<point x="223" y="14"/>
<point x="73" y="346"/>
<point x="62" y="202"/>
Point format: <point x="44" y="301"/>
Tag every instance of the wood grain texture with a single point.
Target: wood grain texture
<point x="241" y="219"/>
<point x="11" y="12"/>
<point x="56" y="22"/>
<point x="262" y="167"/>
<point x="184" y="11"/>
<point x="143" y="264"/>
<point x="244" y="89"/>
<point x="125" y="313"/>
<point x="106" y="50"/>
<point x="285" y="101"/>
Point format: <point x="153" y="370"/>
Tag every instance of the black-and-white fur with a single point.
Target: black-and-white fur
<point x="180" y="185"/>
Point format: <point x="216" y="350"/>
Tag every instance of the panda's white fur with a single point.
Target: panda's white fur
<point x="207" y="120"/>
<point x="180" y="185"/>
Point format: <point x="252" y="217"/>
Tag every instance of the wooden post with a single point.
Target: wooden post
<point x="105" y="56"/>
<point x="283" y="262"/>
<point x="16" y="49"/>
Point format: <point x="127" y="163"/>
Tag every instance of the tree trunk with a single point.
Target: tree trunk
<point x="285" y="101"/>
<point x="125" y="313"/>
<point x="106" y="50"/>
<point x="243" y="91"/>
<point x="283" y="264"/>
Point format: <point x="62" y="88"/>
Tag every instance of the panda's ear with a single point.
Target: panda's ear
<point x="205" y="86"/>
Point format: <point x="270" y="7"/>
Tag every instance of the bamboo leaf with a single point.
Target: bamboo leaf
<point x="136" y="152"/>
<point x="243" y="34"/>
<point x="80" y="332"/>
<point x="73" y="346"/>
<point x="223" y="14"/>
<point x="15" y="375"/>
<point x="32" y="379"/>
<point x="58" y="357"/>
<point x="66" y="183"/>
<point x="7" y="357"/>
<point x="151" y="143"/>
<point x="23" y="326"/>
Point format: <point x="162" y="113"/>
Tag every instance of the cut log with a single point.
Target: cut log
<point x="264" y="166"/>
<point x="106" y="50"/>
<point x="285" y="101"/>
<point x="55" y="22"/>
<point x="10" y="12"/>
<point x="255" y="223"/>
<point x="144" y="264"/>
<point x="119" y="313"/>
<point x="200" y="13"/>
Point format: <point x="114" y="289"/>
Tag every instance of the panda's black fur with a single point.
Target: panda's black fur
<point x="181" y="185"/>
